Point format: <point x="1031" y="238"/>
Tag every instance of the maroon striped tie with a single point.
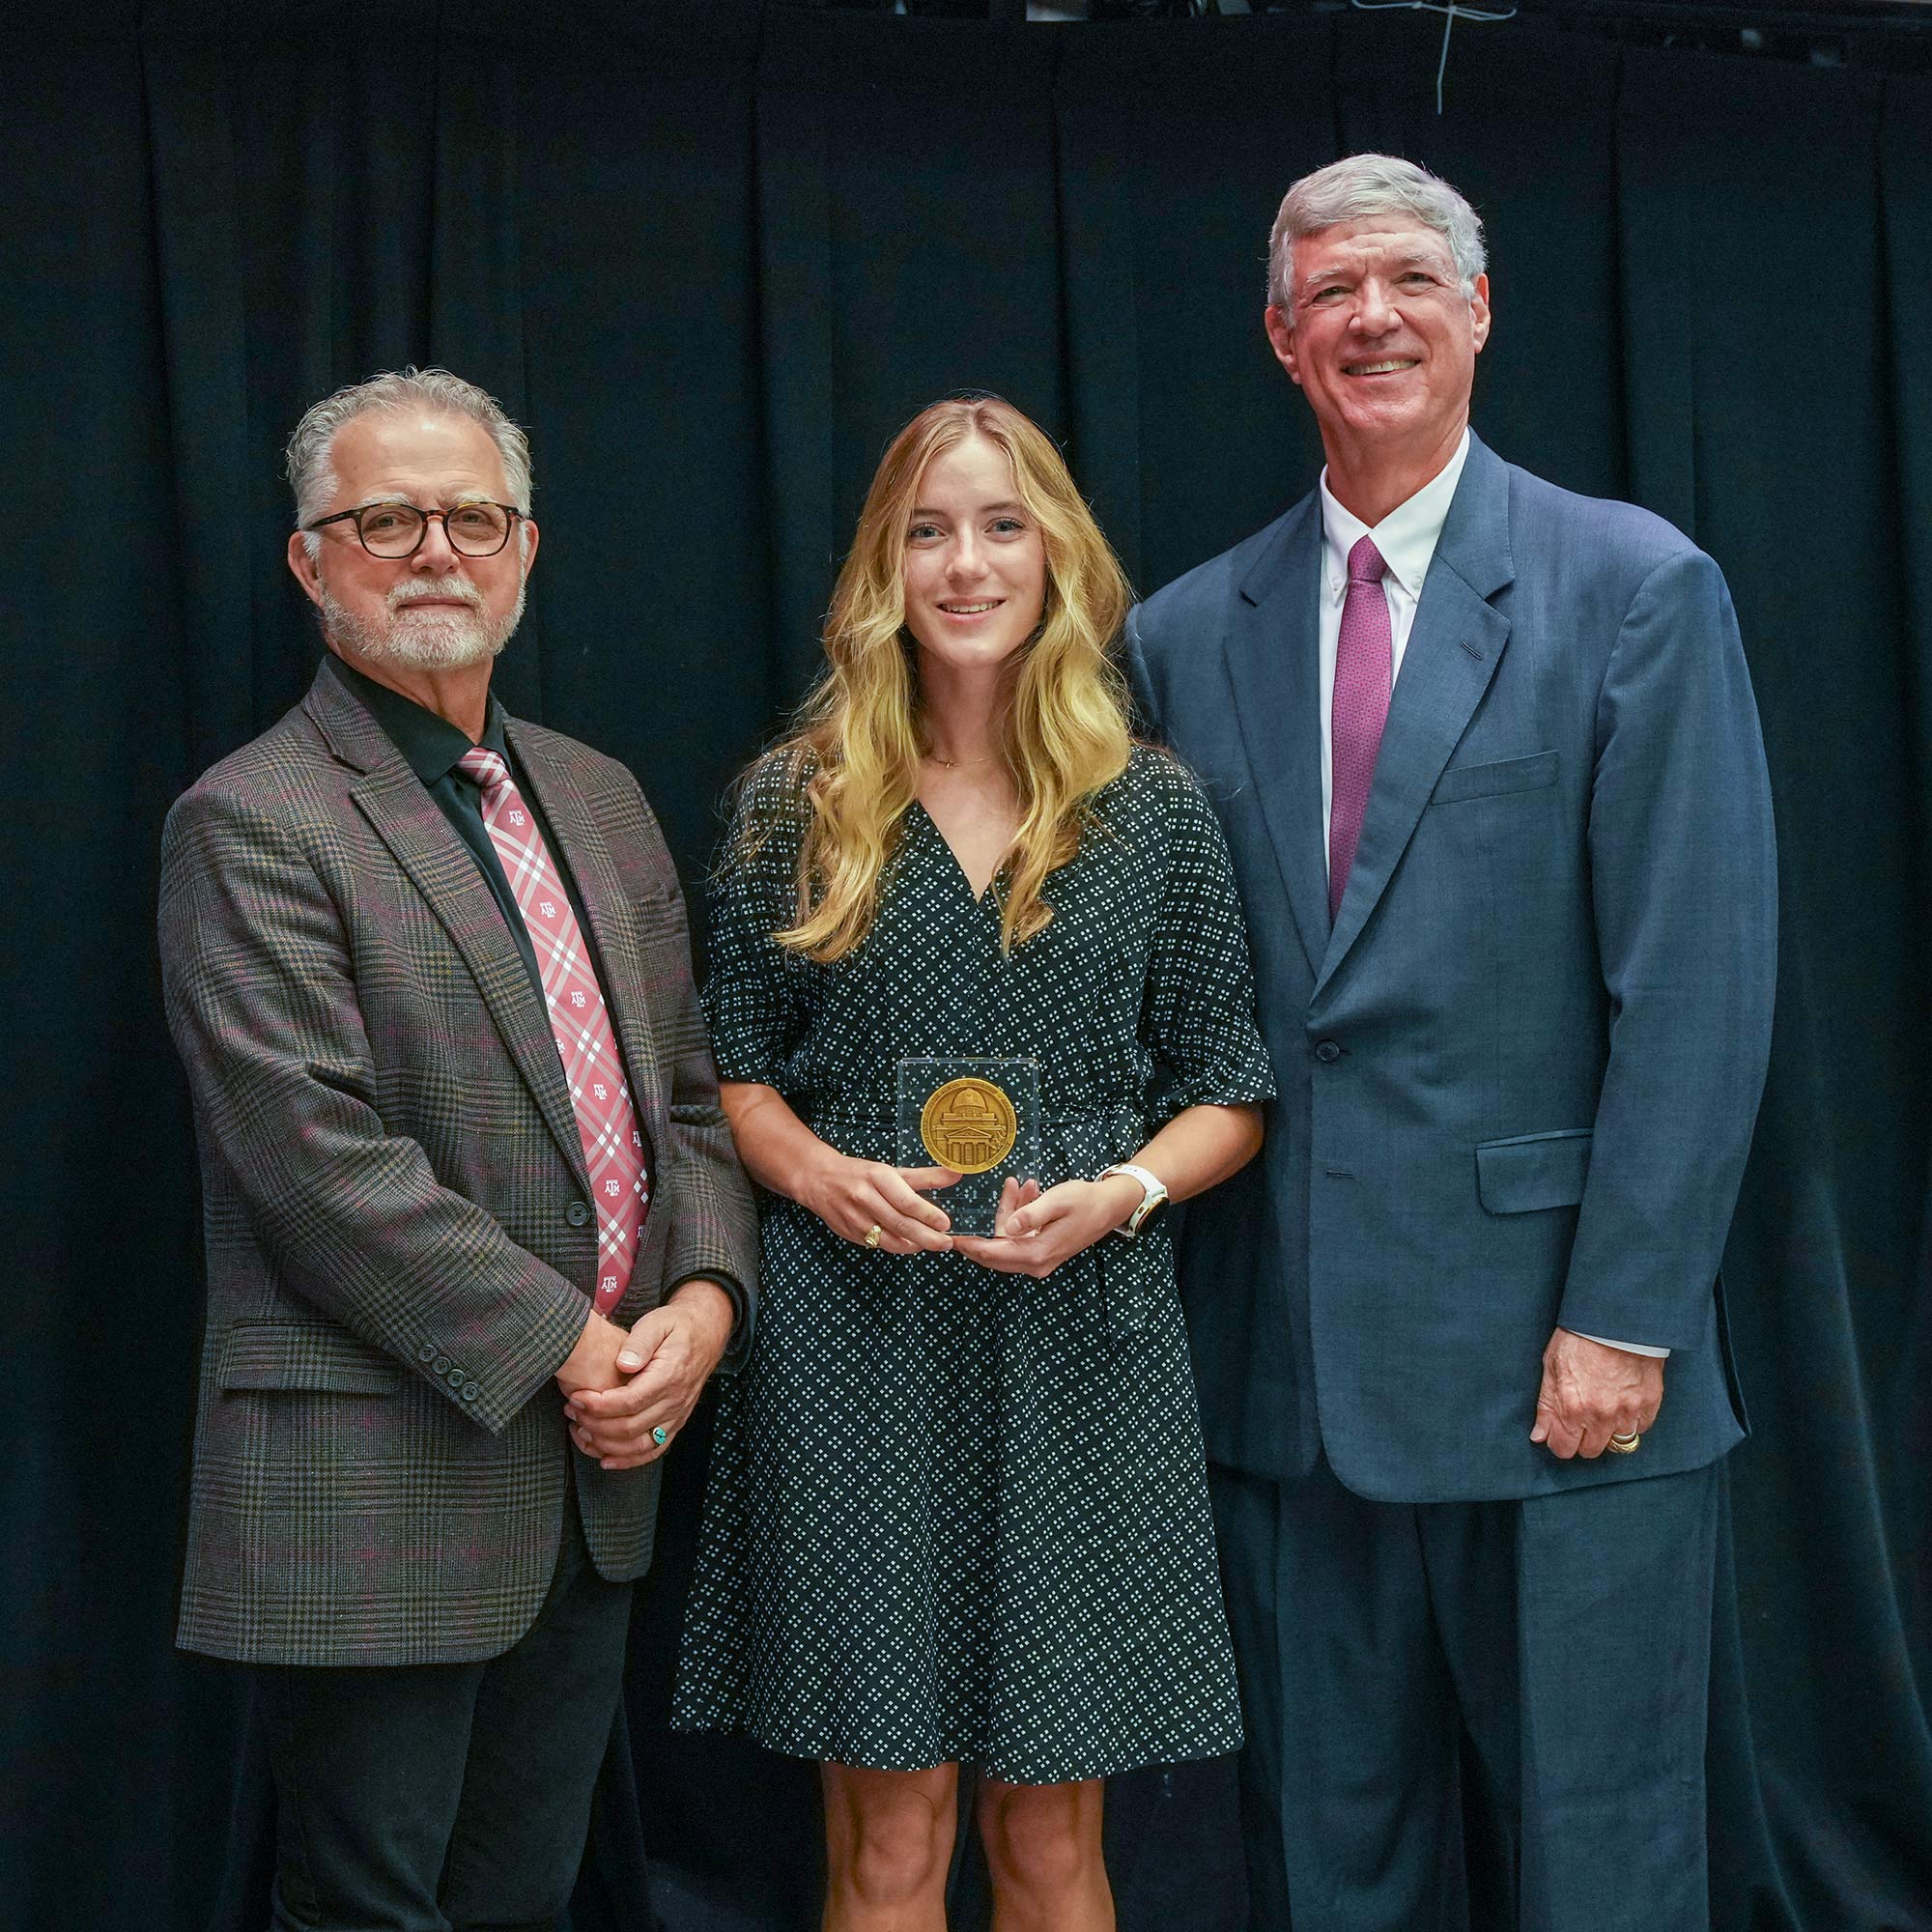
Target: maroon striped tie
<point x="613" y="1146"/>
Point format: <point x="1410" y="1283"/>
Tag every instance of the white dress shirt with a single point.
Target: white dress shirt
<point x="1407" y="538"/>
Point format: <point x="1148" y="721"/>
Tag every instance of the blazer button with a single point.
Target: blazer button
<point x="1328" y="1052"/>
<point x="578" y="1214"/>
<point x="427" y="1352"/>
<point x="454" y="1379"/>
<point x="442" y="1367"/>
<point x="471" y="1391"/>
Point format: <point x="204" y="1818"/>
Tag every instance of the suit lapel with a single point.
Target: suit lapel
<point x="1453" y="647"/>
<point x="608" y="907"/>
<point x="408" y="822"/>
<point x="1273" y="663"/>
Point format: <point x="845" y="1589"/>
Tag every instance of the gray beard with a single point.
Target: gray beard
<point x="437" y="639"/>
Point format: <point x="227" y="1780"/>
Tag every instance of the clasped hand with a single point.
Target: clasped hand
<point x="621" y="1385"/>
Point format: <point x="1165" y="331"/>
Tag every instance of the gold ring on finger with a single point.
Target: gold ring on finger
<point x="874" y="1234"/>
<point x="1624" y="1443"/>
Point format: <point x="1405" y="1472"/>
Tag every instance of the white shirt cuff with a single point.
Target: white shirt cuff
<point x="1629" y="1347"/>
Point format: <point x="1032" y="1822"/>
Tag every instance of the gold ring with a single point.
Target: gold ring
<point x="874" y="1234"/>
<point x="1624" y="1443"/>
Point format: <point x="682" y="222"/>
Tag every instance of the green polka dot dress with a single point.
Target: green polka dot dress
<point x="953" y="1514"/>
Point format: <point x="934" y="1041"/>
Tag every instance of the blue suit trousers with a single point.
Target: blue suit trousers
<point x="1556" y="1649"/>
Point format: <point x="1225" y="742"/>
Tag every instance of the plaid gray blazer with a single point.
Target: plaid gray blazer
<point x="398" y="1247"/>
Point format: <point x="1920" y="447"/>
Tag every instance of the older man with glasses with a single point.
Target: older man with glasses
<point x="426" y="966"/>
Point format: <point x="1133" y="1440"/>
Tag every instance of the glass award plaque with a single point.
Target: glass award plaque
<point x="981" y="1118"/>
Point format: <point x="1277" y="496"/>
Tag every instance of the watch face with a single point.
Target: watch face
<point x="1147" y="1214"/>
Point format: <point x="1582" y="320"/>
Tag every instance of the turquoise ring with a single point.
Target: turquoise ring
<point x="661" y="1436"/>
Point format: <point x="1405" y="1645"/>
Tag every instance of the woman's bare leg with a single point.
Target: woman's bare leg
<point x="1043" y="1847"/>
<point x="887" y="1844"/>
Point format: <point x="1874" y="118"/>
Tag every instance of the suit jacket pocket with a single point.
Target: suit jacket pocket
<point x="1528" y="774"/>
<point x="303" y="1356"/>
<point x="1533" y="1171"/>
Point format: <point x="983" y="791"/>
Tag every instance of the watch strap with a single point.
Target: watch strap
<point x="1153" y="1196"/>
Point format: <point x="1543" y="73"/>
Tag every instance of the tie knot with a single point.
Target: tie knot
<point x="1365" y="562"/>
<point x="485" y="766"/>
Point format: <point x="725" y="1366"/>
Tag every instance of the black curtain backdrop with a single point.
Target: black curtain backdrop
<point x="713" y="255"/>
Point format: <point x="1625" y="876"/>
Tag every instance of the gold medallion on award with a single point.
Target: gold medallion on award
<point x="969" y="1126"/>
<point x="979" y="1117"/>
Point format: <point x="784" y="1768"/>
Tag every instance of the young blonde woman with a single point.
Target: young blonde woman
<point x="958" y="1512"/>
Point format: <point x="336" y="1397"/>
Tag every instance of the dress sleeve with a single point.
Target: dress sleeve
<point x="1198" y="1014"/>
<point x="755" y="994"/>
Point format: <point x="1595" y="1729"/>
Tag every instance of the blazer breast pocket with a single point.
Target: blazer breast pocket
<point x="1506" y="775"/>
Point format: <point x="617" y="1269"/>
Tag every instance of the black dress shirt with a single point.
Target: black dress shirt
<point x="432" y="745"/>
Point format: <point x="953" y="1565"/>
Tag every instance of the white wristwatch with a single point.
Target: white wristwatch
<point x="1153" y="1196"/>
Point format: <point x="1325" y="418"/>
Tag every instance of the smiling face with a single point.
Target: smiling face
<point x="975" y="560"/>
<point x="435" y="610"/>
<point x="1383" y="341"/>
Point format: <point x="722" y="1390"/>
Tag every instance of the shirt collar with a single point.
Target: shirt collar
<point x="431" y="745"/>
<point x="1407" y="536"/>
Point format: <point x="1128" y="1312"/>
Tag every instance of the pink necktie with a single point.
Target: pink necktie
<point x="613" y="1148"/>
<point x="1364" y="669"/>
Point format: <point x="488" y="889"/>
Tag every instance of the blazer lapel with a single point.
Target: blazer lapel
<point x="1453" y="647"/>
<point x="608" y="907"/>
<point x="408" y="822"/>
<point x="1273" y="663"/>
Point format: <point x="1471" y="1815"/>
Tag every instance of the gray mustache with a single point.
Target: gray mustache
<point x="469" y="594"/>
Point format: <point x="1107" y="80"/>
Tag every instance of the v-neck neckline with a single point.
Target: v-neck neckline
<point x="979" y="899"/>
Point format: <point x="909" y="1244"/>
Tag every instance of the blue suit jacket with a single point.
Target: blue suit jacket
<point x="1518" y="1077"/>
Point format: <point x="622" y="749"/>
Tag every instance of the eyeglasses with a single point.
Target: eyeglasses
<point x="395" y="530"/>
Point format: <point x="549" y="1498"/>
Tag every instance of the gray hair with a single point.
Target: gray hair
<point x="1364" y="184"/>
<point x="314" y="483"/>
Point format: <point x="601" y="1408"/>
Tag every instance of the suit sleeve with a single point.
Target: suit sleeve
<point x="261" y="1000"/>
<point x="1684" y="884"/>
<point x="1147" y="719"/>
<point x="713" y="1230"/>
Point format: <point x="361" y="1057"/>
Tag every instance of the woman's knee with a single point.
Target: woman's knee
<point x="1040" y="1839"/>
<point x="890" y="1838"/>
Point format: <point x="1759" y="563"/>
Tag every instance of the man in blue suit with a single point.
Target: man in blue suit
<point x="1489" y="767"/>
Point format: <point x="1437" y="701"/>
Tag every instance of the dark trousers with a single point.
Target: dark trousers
<point x="1560" y="1646"/>
<point x="429" y="1797"/>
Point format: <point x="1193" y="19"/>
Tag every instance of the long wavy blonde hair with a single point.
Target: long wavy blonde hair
<point x="858" y="739"/>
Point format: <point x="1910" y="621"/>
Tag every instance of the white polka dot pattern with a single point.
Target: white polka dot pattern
<point x="955" y="1515"/>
